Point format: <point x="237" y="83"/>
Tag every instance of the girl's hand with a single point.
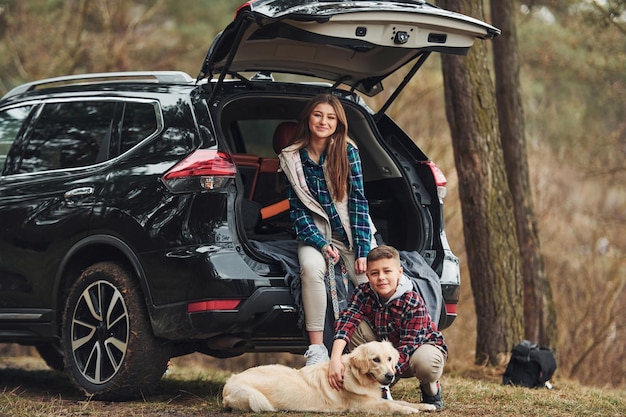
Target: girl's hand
<point x="360" y="265"/>
<point x="331" y="253"/>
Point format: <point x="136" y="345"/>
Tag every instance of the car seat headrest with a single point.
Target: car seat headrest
<point x="283" y="135"/>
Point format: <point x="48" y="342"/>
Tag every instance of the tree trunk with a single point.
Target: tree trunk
<point x="539" y="311"/>
<point x="486" y="203"/>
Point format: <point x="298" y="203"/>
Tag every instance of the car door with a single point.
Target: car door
<point x="46" y="198"/>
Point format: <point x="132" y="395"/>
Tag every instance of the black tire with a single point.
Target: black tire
<point x="52" y="354"/>
<point x="110" y="350"/>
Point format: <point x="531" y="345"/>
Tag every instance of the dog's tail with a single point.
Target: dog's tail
<point x="245" y="399"/>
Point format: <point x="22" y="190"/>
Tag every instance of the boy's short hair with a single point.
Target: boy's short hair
<point x="383" y="252"/>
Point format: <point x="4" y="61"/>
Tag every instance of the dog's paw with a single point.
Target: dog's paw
<point x="417" y="407"/>
<point x="427" y="407"/>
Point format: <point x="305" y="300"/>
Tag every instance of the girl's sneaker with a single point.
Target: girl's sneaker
<point x="316" y="354"/>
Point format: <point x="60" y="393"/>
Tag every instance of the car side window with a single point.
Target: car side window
<point x="11" y="121"/>
<point x="69" y="135"/>
<point x="139" y="122"/>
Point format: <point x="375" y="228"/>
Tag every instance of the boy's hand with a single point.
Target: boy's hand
<point x="335" y="374"/>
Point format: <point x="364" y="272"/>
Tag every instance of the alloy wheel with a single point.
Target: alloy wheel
<point x="100" y="332"/>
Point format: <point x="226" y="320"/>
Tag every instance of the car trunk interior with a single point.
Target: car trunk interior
<point x="249" y="124"/>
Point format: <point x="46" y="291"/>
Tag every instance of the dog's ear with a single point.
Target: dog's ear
<point x="359" y="360"/>
<point x="393" y="352"/>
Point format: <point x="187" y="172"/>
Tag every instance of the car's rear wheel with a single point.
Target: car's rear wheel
<point x="108" y="343"/>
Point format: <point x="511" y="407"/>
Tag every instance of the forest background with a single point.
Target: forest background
<point x="573" y="80"/>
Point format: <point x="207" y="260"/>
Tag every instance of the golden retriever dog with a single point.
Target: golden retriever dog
<point x="278" y="387"/>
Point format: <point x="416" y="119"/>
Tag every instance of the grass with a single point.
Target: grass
<point x="191" y="390"/>
<point x="470" y="397"/>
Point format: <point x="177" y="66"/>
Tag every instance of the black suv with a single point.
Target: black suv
<point x="142" y="215"/>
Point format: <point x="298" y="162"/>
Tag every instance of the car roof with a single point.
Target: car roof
<point x="93" y="81"/>
<point x="357" y="43"/>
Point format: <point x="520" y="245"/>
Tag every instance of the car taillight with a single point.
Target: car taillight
<point x="203" y="170"/>
<point x="451" y="309"/>
<point x="440" y="179"/>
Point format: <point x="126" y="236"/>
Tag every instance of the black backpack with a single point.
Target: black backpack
<point x="530" y="366"/>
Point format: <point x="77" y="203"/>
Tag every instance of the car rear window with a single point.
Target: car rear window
<point x="139" y="122"/>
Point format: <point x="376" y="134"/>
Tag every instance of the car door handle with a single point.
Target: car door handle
<point x="78" y="192"/>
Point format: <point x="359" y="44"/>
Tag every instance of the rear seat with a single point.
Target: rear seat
<point x="265" y="206"/>
<point x="270" y="191"/>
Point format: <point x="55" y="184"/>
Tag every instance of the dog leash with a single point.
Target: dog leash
<point x="332" y="283"/>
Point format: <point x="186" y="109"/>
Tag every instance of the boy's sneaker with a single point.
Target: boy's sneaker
<point x="386" y="393"/>
<point x="433" y="399"/>
<point x="316" y="354"/>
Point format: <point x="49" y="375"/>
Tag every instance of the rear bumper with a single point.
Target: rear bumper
<point x="269" y="314"/>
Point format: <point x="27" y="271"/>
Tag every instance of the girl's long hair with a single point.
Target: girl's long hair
<point x="337" y="166"/>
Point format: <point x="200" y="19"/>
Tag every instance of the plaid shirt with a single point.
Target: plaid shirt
<point x="305" y="228"/>
<point x="404" y="321"/>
